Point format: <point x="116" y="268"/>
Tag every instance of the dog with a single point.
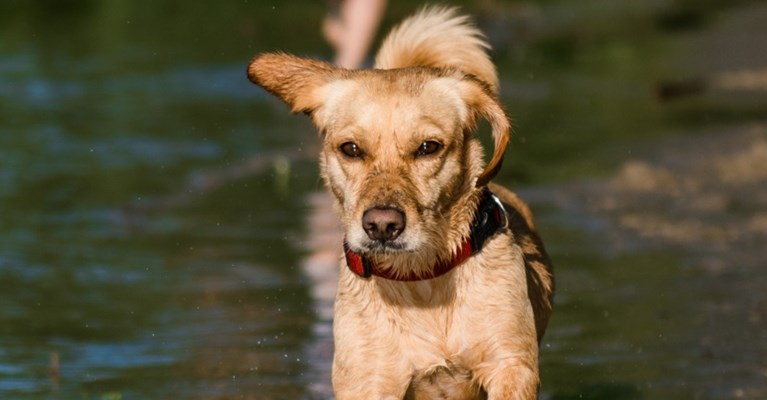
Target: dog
<point x="445" y="288"/>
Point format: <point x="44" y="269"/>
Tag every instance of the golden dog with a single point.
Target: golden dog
<point x="445" y="288"/>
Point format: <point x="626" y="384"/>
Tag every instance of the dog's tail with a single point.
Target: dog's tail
<point x="437" y="36"/>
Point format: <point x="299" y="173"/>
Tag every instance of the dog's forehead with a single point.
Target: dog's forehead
<point x="392" y="104"/>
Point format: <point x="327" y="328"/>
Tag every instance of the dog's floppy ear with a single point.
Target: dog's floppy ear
<point x="295" y="80"/>
<point x="483" y="104"/>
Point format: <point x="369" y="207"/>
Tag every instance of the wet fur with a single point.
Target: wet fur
<point x="474" y="332"/>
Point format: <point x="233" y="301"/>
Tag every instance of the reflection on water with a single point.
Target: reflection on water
<point x="154" y="231"/>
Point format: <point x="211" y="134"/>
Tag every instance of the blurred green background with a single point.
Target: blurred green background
<point x="154" y="204"/>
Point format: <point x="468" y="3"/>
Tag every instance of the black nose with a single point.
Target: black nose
<point x="383" y="223"/>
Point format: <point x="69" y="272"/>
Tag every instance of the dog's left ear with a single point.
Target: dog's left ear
<point x="484" y="104"/>
<point x="295" y="80"/>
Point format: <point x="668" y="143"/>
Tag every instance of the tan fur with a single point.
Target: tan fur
<point x="472" y="333"/>
<point x="438" y="37"/>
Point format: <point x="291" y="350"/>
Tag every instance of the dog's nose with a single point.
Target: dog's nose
<point x="383" y="223"/>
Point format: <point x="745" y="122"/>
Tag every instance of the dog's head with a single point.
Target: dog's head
<point x="399" y="150"/>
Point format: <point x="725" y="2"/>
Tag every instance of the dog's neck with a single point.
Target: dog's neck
<point x="489" y="218"/>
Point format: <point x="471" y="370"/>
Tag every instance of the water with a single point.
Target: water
<point x="155" y="208"/>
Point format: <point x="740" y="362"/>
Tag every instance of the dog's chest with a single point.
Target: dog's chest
<point x="434" y="327"/>
<point x="423" y="291"/>
<point x="439" y="344"/>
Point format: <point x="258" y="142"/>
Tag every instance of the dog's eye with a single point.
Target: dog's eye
<point x="350" y="149"/>
<point x="428" y="147"/>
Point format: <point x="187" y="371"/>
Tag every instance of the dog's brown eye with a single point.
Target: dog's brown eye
<point x="428" y="147"/>
<point x="350" y="149"/>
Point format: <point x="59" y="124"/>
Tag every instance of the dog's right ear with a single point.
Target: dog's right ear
<point x="295" y="80"/>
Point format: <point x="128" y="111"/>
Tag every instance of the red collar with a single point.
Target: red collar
<point x="489" y="219"/>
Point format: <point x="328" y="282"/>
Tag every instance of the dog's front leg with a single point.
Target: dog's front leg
<point x="514" y="382"/>
<point x="369" y="362"/>
<point x="376" y="378"/>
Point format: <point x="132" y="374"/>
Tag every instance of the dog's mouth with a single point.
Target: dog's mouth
<point x="375" y="246"/>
